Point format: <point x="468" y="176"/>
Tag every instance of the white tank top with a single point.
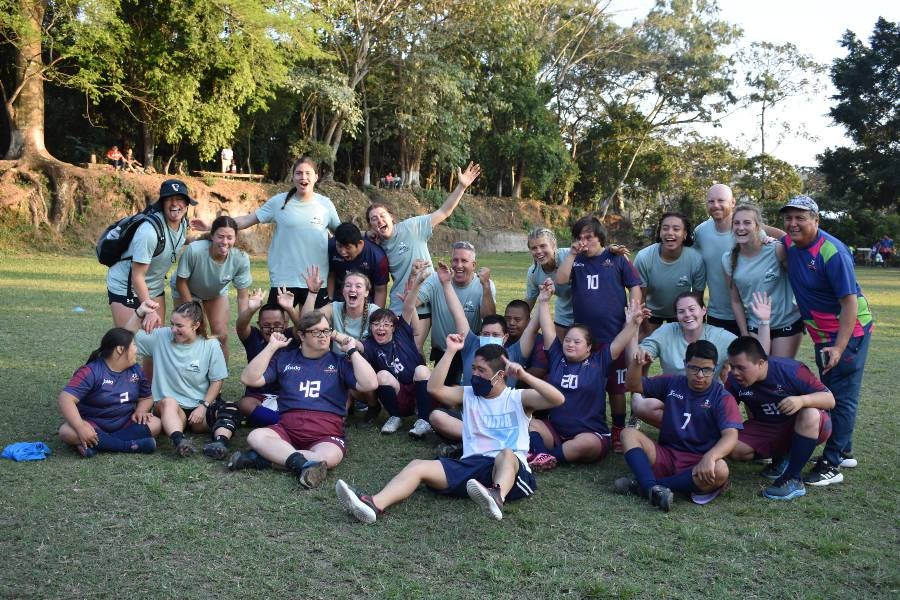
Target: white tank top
<point x="493" y="424"/>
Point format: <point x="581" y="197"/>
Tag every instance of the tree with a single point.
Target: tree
<point x="783" y="182"/>
<point x="868" y="85"/>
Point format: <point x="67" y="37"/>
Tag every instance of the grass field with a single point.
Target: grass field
<point x="153" y="526"/>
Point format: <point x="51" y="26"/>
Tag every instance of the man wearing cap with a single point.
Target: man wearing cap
<point x="140" y="275"/>
<point x="837" y="318"/>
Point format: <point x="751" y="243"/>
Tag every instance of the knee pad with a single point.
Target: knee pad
<point x="225" y="415"/>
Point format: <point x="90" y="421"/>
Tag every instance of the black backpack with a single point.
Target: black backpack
<point x="114" y="242"/>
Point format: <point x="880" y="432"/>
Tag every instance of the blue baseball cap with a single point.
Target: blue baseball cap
<point x="801" y="203"/>
<point x="175" y="187"/>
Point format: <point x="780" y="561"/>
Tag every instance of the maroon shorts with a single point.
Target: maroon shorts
<point x="406" y="399"/>
<point x="303" y="429"/>
<point x="604" y="438"/>
<point x="670" y="461"/>
<point x="774" y="439"/>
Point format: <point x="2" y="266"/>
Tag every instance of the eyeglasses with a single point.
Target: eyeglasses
<point x="319" y="333"/>
<point x="272" y="327"/>
<point x="701" y="371"/>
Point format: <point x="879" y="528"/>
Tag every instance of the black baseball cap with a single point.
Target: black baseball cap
<point x="175" y="187"/>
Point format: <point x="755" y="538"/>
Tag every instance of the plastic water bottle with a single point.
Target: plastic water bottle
<point x="78" y="310"/>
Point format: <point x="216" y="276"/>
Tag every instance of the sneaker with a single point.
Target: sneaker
<point x="247" y="460"/>
<point x="185" y="448"/>
<point x="785" y="489"/>
<point x="542" y="462"/>
<point x="420" y="428"/>
<point x="487" y="498"/>
<point x="215" y="450"/>
<point x="313" y="473"/>
<point x="702" y="498"/>
<point x="823" y="473"/>
<point x="361" y="507"/>
<point x="661" y="497"/>
<point x="391" y="425"/>
<point x="626" y="486"/>
<point x="85" y="451"/>
<point x="360" y="407"/>
<point x="633" y="423"/>
<point x="775" y="469"/>
<point x="847" y="460"/>
<point x="447" y="450"/>
<point x="617" y="440"/>
<point x="145" y="445"/>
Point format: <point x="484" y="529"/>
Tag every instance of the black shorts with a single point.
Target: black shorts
<point x="130" y="301"/>
<point x="782" y="332"/>
<point x="455" y="373"/>
<point x="299" y="296"/>
<point x="731" y="326"/>
<point x="661" y="320"/>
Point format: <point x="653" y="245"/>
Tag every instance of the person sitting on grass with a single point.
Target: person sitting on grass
<point x="493" y="468"/>
<point x="312" y="391"/>
<point x="260" y="405"/>
<point x="400" y="367"/>
<point x="787" y="405"/>
<point x="577" y="431"/>
<point x="700" y="424"/>
<point x="188" y="372"/>
<point x="106" y="404"/>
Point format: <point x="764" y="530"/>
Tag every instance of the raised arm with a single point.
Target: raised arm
<point x="451" y="396"/>
<point x="453" y="303"/>
<point x="633" y="382"/>
<point x="529" y="335"/>
<point x="313" y="285"/>
<point x="465" y="180"/>
<point x="366" y="380"/>
<point x="252" y="375"/>
<point x="762" y="309"/>
<point x="285" y="300"/>
<point x="488" y="305"/>
<point x="420" y="272"/>
<point x="634" y="316"/>
<point x="564" y="272"/>
<point x="146" y="309"/>
<point x="254" y="302"/>
<point x="243" y="222"/>
<point x="541" y="395"/>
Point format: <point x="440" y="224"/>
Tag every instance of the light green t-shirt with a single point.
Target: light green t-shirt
<point x="300" y="238"/>
<point x="535" y="276"/>
<point x="442" y="323"/>
<point x="140" y="250"/>
<point x="207" y="278"/>
<point x="181" y="371"/>
<point x="668" y="345"/>
<point x="764" y="273"/>
<point x="409" y="243"/>
<point x="665" y="280"/>
<point x="349" y="326"/>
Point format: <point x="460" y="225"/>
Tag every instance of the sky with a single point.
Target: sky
<point x="815" y="27"/>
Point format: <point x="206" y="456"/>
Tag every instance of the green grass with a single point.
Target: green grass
<point x="154" y="526"/>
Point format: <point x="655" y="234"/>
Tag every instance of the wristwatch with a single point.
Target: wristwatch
<point x="351" y="351"/>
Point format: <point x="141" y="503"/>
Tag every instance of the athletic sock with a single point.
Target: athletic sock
<point x="681" y="482"/>
<point x="558" y="454"/>
<point x="263" y="417"/>
<point x="176" y="437"/>
<point x="640" y="465"/>
<point x="618" y="420"/>
<point x="388" y="397"/>
<point x="536" y="442"/>
<point x="802" y="448"/>
<point x="110" y="443"/>
<point x="295" y="462"/>
<point x="423" y="400"/>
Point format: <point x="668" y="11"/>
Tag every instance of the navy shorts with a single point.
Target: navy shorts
<point x="481" y="468"/>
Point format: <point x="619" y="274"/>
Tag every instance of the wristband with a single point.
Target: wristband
<point x="766" y="322"/>
<point x="351" y="351"/>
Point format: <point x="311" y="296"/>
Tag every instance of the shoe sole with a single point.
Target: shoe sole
<point x="791" y="496"/>
<point x="235" y="462"/>
<point x="389" y="431"/>
<point x="482" y="498"/>
<point x="353" y="505"/>
<point x="313" y="477"/>
<point x="823" y="482"/>
<point x="662" y="501"/>
<point x="185" y="449"/>
<point x="626" y="486"/>
<point x="215" y="452"/>
<point x="544" y="465"/>
<point x="849" y="463"/>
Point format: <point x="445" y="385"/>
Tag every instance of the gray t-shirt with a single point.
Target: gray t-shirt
<point x="300" y="238"/>
<point x="712" y="245"/>
<point x="764" y="273"/>
<point x="665" y="280"/>
<point x="181" y="371"/>
<point x="535" y="276"/>
<point x="141" y="251"/>
<point x="668" y="344"/>
<point x="207" y="278"/>
<point x="409" y="243"/>
<point x="442" y="323"/>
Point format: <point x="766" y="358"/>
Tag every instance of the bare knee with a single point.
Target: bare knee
<point x="386" y="378"/>
<point x="422" y="373"/>
<point x="721" y="472"/>
<point x="155" y="425"/>
<point x="742" y="452"/>
<point x="807" y="420"/>
<point x="631" y="438"/>
<point x="68" y="435"/>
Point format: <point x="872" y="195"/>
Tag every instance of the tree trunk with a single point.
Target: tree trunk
<point x="604" y="207"/>
<point x="148" y="142"/>
<point x="367" y="143"/>
<point x="519" y="177"/>
<point x="410" y="164"/>
<point x="500" y="186"/>
<point x="762" y="156"/>
<point x="26" y="105"/>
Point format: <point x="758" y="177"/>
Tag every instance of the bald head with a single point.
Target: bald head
<point x="719" y="202"/>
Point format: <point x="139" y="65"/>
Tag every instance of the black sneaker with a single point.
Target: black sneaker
<point x="661" y="497"/>
<point x="627" y="485"/>
<point x="246" y="460"/>
<point x="823" y="473"/>
<point x="185" y="448"/>
<point x="215" y="450"/>
<point x="775" y="469"/>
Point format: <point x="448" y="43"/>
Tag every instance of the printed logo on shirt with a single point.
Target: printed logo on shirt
<point x="683" y="281"/>
<point x="330" y="369"/>
<point x="812" y="264"/>
<point x="292" y="368"/>
<point x="317" y="221"/>
<point x="134" y="378"/>
<point x="745" y="393"/>
<point x="107" y="381"/>
<point x="674" y="394"/>
<point x="577" y="264"/>
<point x="705" y="403"/>
<point x="402" y="248"/>
<point x="469" y="307"/>
<point x="607" y="263"/>
<point x="194" y="366"/>
<point x="771" y="275"/>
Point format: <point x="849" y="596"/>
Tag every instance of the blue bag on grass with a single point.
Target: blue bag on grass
<point x="21" y="451"/>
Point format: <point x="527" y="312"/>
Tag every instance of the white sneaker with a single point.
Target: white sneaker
<point x="353" y="504"/>
<point x="391" y="425"/>
<point x="420" y="428"/>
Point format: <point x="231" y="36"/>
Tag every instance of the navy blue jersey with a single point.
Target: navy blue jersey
<point x="399" y="357"/>
<point x="253" y="345"/>
<point x="692" y="421"/>
<point x="106" y="397"/>
<point x="371" y="262"/>
<point x="583" y="384"/>
<point x="786" y="377"/>
<point x="598" y="293"/>
<point x="311" y="383"/>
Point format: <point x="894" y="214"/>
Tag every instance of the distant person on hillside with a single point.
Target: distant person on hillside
<point x="493" y="467"/>
<point x="407" y="241"/>
<point x="115" y="158"/>
<point x="233" y="168"/>
<point x="227" y="157"/>
<point x="131" y="163"/>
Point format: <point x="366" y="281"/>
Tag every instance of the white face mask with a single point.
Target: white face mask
<point x="486" y="340"/>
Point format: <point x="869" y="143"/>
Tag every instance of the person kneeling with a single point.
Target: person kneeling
<point x="493" y="468"/>
<point x="700" y="424"/>
<point x="787" y="405"/>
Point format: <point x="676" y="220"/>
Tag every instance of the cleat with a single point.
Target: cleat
<point x="246" y="460"/>
<point x="215" y="450"/>
<point x="627" y="485"/>
<point x="661" y="497"/>
<point x="185" y="448"/>
<point x="542" y="462"/>
<point x="487" y="498"/>
<point x="145" y="445"/>
<point x="775" y="469"/>
<point x="85" y="451"/>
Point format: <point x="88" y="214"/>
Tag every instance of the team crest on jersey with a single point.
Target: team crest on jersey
<point x="812" y="264"/>
<point x="779" y="391"/>
<point x="683" y="281"/>
<point x="134" y="378"/>
<point x="330" y="369"/>
<point x="705" y="403"/>
<point x="607" y="263"/>
<point x="402" y="248"/>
